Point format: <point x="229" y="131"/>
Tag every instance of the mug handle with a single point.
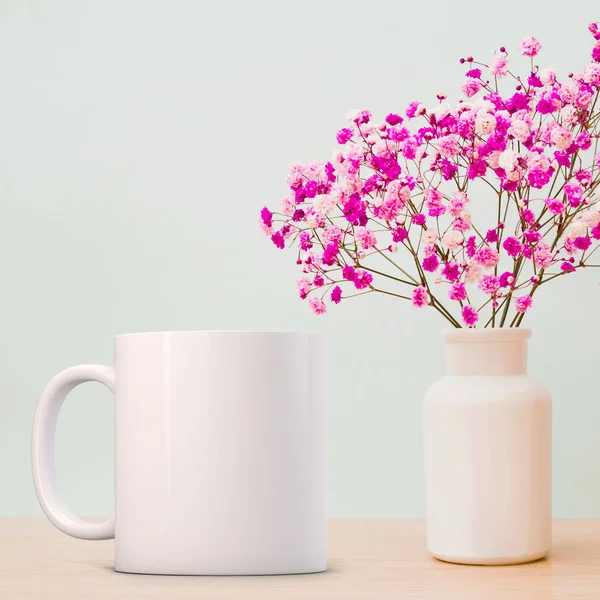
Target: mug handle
<point x="42" y="451"/>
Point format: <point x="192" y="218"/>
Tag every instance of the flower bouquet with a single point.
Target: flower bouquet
<point x="392" y="211"/>
<point x="466" y="208"/>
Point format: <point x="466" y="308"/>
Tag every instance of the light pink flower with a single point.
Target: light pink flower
<point x="452" y="239"/>
<point x="519" y="130"/>
<point x="485" y="122"/>
<point x="448" y="146"/>
<point x="591" y="74"/>
<point x="303" y="287"/>
<point x="522" y="303"/>
<point x="420" y="298"/>
<point x="470" y="87"/>
<point x="489" y="284"/>
<point x="542" y="255"/>
<point x="317" y="305"/>
<point x="365" y="237"/>
<point x="487" y="257"/>
<point x="457" y="203"/>
<point x="288" y="206"/>
<point x="562" y="138"/>
<point x="530" y="46"/>
<point x="499" y="65"/>
<point x="331" y="234"/>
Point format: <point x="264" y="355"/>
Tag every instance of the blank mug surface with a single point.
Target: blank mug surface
<point x="219" y="453"/>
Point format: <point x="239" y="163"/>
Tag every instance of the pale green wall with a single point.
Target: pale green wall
<point x="138" y="140"/>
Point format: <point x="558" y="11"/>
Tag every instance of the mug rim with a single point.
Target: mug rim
<point x="221" y="331"/>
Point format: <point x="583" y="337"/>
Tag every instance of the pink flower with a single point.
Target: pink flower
<point x="457" y="291"/>
<point x="457" y="203"/>
<point x="303" y="287"/>
<point x="431" y="263"/>
<point x="362" y="279"/>
<point x="278" y="239"/>
<point x="317" y="305"/>
<point x="591" y="74"/>
<point x="365" y="237"/>
<point x="448" y="146"/>
<point x="507" y="279"/>
<point x="512" y="246"/>
<point x="542" y="255"/>
<point x="336" y="294"/>
<point x="399" y="234"/>
<point x="420" y="298"/>
<point x="489" y="284"/>
<point x="522" y="303"/>
<point x="487" y="257"/>
<point x="470" y="87"/>
<point x="582" y="243"/>
<point x="529" y="46"/>
<point x="332" y="234"/>
<point x="390" y="175"/>
<point x="469" y="315"/>
<point x="499" y="65"/>
<point x="452" y="239"/>
<point x="434" y="202"/>
<point x="556" y="207"/>
<point x="393" y="119"/>
<point x="562" y="138"/>
<point x="344" y="135"/>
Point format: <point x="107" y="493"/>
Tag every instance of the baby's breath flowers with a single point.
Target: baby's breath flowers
<point x="391" y="212"/>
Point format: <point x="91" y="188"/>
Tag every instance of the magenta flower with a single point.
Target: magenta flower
<point x="362" y="279"/>
<point x="336" y="294"/>
<point x="420" y="297"/>
<point x="344" y="135"/>
<point x="431" y="263"/>
<point x="512" y="246"/>
<point x="469" y="315"/>
<point x="278" y="240"/>
<point x="458" y="292"/>
<point x="451" y="271"/>
<point x="330" y="254"/>
<point x="349" y="273"/>
<point x="393" y="119"/>
<point x="399" y="234"/>
<point x="582" y="243"/>
<point x="555" y="206"/>
<point x="267" y="217"/>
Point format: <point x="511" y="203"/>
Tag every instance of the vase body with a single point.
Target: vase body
<point x="488" y="452"/>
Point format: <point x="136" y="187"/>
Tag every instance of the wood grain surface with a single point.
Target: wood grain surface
<point x="369" y="559"/>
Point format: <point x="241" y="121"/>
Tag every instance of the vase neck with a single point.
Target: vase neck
<point x="490" y="352"/>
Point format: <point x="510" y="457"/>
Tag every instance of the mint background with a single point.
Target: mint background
<point x="138" y="142"/>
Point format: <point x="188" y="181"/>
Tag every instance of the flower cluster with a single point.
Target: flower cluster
<point x="391" y="212"/>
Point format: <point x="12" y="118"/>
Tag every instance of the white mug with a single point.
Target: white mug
<point x="219" y="453"/>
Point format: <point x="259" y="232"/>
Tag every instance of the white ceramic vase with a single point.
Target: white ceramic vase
<point x="488" y="446"/>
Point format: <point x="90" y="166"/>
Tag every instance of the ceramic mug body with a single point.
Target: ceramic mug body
<point x="219" y="453"/>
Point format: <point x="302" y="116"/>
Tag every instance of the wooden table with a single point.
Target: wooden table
<point x="369" y="559"/>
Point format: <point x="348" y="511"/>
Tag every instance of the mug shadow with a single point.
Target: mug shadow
<point x="105" y="567"/>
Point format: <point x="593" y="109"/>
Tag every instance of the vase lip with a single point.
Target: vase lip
<point x="489" y="334"/>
